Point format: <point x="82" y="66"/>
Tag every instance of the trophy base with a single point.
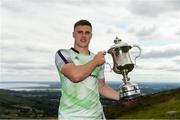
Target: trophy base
<point x="129" y="91"/>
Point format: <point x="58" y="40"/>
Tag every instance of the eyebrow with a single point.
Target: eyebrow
<point x="82" y="31"/>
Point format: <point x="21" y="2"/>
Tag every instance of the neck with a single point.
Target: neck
<point x="82" y="50"/>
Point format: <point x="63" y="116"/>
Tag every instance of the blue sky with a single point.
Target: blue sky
<point x="33" y="30"/>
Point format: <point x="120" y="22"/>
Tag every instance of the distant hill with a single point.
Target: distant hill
<point x="161" y="105"/>
<point x="28" y="104"/>
<point x="44" y="105"/>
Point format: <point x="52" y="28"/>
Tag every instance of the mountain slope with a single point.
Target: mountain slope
<point x="162" y="105"/>
<point x="28" y="104"/>
<point x="44" y="104"/>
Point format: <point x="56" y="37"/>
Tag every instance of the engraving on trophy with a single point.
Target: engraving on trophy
<point x="122" y="64"/>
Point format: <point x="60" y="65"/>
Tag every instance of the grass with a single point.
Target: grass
<point x="156" y="111"/>
<point x="161" y="105"/>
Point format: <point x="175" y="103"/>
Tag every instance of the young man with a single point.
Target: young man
<point x="82" y="77"/>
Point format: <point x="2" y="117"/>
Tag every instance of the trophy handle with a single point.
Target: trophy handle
<point x="104" y="52"/>
<point x="138" y="54"/>
<point x="109" y="66"/>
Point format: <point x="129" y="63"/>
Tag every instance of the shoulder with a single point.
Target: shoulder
<point x="62" y="57"/>
<point x="63" y="54"/>
<point x="63" y="51"/>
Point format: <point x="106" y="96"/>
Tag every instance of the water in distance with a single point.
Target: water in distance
<point x="145" y="87"/>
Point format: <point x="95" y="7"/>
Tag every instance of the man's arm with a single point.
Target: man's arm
<point x="80" y="72"/>
<point x="107" y="91"/>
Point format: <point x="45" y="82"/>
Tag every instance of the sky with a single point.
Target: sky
<point x="33" y="30"/>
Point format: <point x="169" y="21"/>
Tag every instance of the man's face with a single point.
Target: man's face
<point x="82" y="35"/>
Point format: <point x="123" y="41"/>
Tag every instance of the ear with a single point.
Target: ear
<point x="91" y="35"/>
<point x="73" y="34"/>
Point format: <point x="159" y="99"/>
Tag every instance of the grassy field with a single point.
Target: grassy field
<point x="163" y="105"/>
<point x="165" y="110"/>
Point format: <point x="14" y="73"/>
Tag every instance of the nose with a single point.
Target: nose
<point x="83" y="34"/>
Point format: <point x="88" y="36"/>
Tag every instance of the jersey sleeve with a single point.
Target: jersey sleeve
<point x="62" y="57"/>
<point x="101" y="72"/>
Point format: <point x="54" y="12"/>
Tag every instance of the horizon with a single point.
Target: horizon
<point x="109" y="81"/>
<point x="145" y="87"/>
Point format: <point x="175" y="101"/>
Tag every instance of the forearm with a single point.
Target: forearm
<point x="83" y="71"/>
<point x="110" y="93"/>
<point x="77" y="73"/>
<point x="107" y="91"/>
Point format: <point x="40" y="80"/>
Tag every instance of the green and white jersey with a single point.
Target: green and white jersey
<point x="79" y="100"/>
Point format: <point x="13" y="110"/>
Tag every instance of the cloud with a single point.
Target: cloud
<point x="153" y="8"/>
<point x="33" y="30"/>
<point x="178" y="32"/>
<point x="162" y="51"/>
<point x="176" y="60"/>
<point x="160" y="65"/>
<point x="11" y="6"/>
<point x="144" y="30"/>
<point x="15" y="61"/>
<point x="28" y="67"/>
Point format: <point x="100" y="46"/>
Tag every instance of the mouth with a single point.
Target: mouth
<point x="83" y="40"/>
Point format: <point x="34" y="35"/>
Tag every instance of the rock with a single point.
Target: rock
<point x="171" y="113"/>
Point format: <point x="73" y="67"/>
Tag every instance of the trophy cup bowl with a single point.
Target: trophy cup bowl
<point x="122" y="64"/>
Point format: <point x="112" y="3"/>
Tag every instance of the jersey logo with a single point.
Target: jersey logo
<point x="76" y="58"/>
<point x="94" y="76"/>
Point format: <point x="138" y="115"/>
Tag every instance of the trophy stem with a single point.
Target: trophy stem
<point x="125" y="76"/>
<point x="128" y="90"/>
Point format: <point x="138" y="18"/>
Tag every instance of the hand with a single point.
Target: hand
<point x="130" y="102"/>
<point x="99" y="58"/>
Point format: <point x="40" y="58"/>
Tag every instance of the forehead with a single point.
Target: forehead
<point x="83" y="27"/>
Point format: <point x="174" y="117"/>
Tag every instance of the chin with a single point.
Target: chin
<point x="83" y="46"/>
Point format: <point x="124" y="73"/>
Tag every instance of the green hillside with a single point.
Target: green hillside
<point x="44" y="105"/>
<point x="28" y="104"/>
<point x="162" y="105"/>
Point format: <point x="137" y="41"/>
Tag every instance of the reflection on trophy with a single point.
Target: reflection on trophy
<point x="122" y="64"/>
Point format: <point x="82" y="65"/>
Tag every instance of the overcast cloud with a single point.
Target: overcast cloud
<point x="33" y="30"/>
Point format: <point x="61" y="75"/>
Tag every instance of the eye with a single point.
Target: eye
<point x="87" y="32"/>
<point x="80" y="32"/>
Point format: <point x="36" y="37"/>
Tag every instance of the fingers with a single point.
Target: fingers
<point x="99" y="57"/>
<point x="102" y="52"/>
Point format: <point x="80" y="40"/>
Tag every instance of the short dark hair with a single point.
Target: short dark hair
<point x="82" y="22"/>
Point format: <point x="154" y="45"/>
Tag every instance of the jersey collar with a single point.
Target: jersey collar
<point x="78" y="51"/>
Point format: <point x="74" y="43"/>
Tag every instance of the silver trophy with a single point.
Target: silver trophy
<point x="122" y="64"/>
